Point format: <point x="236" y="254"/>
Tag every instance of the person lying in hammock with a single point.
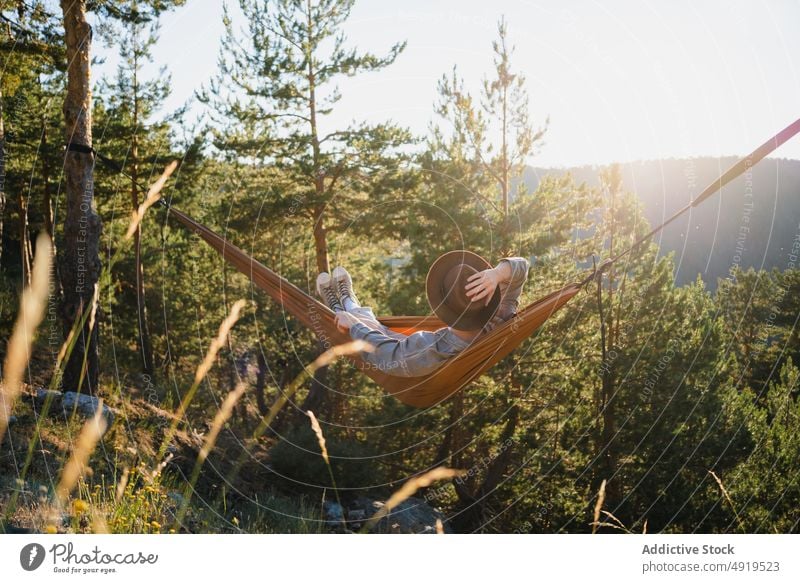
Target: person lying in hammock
<point x="464" y="291"/>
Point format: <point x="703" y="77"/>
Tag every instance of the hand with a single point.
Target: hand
<point x="482" y="285"/>
<point x="344" y="320"/>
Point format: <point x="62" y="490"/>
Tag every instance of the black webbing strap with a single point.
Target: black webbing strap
<point x="109" y="163"/>
<point x="84" y="149"/>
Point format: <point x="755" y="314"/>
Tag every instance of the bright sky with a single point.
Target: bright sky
<point x="621" y="80"/>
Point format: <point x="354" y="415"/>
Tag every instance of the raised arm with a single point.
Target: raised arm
<point x="510" y="274"/>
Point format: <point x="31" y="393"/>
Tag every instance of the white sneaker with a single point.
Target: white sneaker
<point x="327" y="292"/>
<point x="344" y="285"/>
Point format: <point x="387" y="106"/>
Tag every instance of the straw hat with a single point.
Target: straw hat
<point x="447" y="297"/>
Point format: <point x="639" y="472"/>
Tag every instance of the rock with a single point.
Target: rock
<point x="357" y="515"/>
<point x="412" y="516"/>
<point x="333" y="513"/>
<point x="8" y="528"/>
<point x="65" y="403"/>
<point x="43" y="394"/>
<point x="176" y="497"/>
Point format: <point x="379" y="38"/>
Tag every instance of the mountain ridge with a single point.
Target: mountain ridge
<point x="753" y="221"/>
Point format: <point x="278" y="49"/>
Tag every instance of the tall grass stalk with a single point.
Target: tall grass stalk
<point x="153" y="194"/>
<point x="324" y="359"/>
<point x="76" y="466"/>
<point x="63" y="354"/>
<point x="201" y="372"/>
<point x="321" y="440"/>
<point x="601" y="497"/>
<point x="728" y="498"/>
<point x="31" y="312"/>
<point x="220" y="419"/>
<point x="409" y="489"/>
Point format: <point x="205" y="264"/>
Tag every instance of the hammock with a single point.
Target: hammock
<point x="486" y="350"/>
<point x="426" y="391"/>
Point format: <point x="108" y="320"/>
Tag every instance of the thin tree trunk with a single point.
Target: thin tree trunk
<point x="79" y="261"/>
<point x="504" y="169"/>
<point x="24" y="239"/>
<point x="318" y="390"/>
<point x="47" y="203"/>
<point x="145" y="344"/>
<point x="2" y="176"/>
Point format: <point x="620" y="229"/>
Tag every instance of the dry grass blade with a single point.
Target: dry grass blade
<point x="409" y="489"/>
<point x="32" y="308"/>
<point x="727" y="497"/>
<point x="152" y="196"/>
<point x="617" y="520"/>
<point x="202" y="370"/>
<point x="219" y="341"/>
<point x="99" y="524"/>
<point x="320" y="438"/>
<point x="122" y="484"/>
<point x="90" y="434"/>
<point x="601" y="497"/>
<point x="220" y="418"/>
<point x="323" y="359"/>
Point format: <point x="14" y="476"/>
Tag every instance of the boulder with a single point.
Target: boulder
<point x="66" y="403"/>
<point x="412" y="516"/>
<point x="333" y="513"/>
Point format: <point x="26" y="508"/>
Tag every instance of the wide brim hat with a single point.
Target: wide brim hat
<point x="447" y="297"/>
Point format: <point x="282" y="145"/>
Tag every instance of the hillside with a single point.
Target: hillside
<point x="752" y="223"/>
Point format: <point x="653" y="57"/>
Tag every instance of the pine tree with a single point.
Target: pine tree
<point x="279" y="86"/>
<point x="268" y="103"/>
<point x="131" y="134"/>
<point x="495" y="131"/>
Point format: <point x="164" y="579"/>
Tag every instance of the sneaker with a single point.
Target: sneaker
<point x="327" y="292"/>
<point x="344" y="285"/>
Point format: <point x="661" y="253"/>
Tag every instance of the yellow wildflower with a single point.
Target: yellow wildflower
<point x="80" y="506"/>
<point x="50" y="529"/>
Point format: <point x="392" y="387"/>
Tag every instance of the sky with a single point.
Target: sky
<point x="619" y="80"/>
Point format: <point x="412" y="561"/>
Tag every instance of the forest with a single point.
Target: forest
<point x="150" y="387"/>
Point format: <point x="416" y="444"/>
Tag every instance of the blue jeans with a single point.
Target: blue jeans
<point x="421" y="353"/>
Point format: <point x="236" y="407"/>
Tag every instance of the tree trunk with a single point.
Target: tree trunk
<point x="145" y="346"/>
<point x="79" y="260"/>
<point x="24" y="239"/>
<point x="318" y="391"/>
<point x="321" y="239"/>
<point x="47" y="203"/>
<point x="504" y="170"/>
<point x="2" y="175"/>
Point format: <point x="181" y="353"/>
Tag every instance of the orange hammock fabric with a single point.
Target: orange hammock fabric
<point x="484" y="352"/>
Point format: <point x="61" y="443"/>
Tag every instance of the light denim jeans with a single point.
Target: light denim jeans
<point x="421" y="353"/>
